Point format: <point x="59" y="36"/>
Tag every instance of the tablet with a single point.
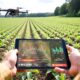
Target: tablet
<point x="41" y="53"/>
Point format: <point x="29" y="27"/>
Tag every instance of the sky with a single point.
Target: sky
<point x="34" y="6"/>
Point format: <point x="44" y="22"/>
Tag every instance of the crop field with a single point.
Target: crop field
<point x="39" y="28"/>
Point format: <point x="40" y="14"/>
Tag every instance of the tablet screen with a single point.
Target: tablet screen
<point x="41" y="53"/>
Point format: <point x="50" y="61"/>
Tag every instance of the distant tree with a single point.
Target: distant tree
<point x="71" y="8"/>
<point x="64" y="9"/>
<point x="75" y="6"/>
<point x="57" y="11"/>
<point x="78" y="13"/>
<point x="22" y="15"/>
<point x="40" y="14"/>
<point x="68" y="0"/>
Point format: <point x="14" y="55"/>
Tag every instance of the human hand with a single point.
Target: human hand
<point x="75" y="62"/>
<point x="8" y="64"/>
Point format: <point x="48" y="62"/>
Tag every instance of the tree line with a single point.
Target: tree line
<point x="70" y="8"/>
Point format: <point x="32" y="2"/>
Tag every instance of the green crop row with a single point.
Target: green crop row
<point x="49" y="27"/>
<point x="60" y="27"/>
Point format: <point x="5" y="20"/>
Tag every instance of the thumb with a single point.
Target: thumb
<point x="61" y="70"/>
<point x="69" y="48"/>
<point x="72" y="71"/>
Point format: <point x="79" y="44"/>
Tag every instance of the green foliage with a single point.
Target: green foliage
<point x="64" y="9"/>
<point x="77" y="45"/>
<point x="75" y="6"/>
<point x="0" y="43"/>
<point x="62" y="76"/>
<point x="71" y="8"/>
<point x="22" y="15"/>
<point x="78" y="39"/>
<point x="78" y="14"/>
<point x="57" y="11"/>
